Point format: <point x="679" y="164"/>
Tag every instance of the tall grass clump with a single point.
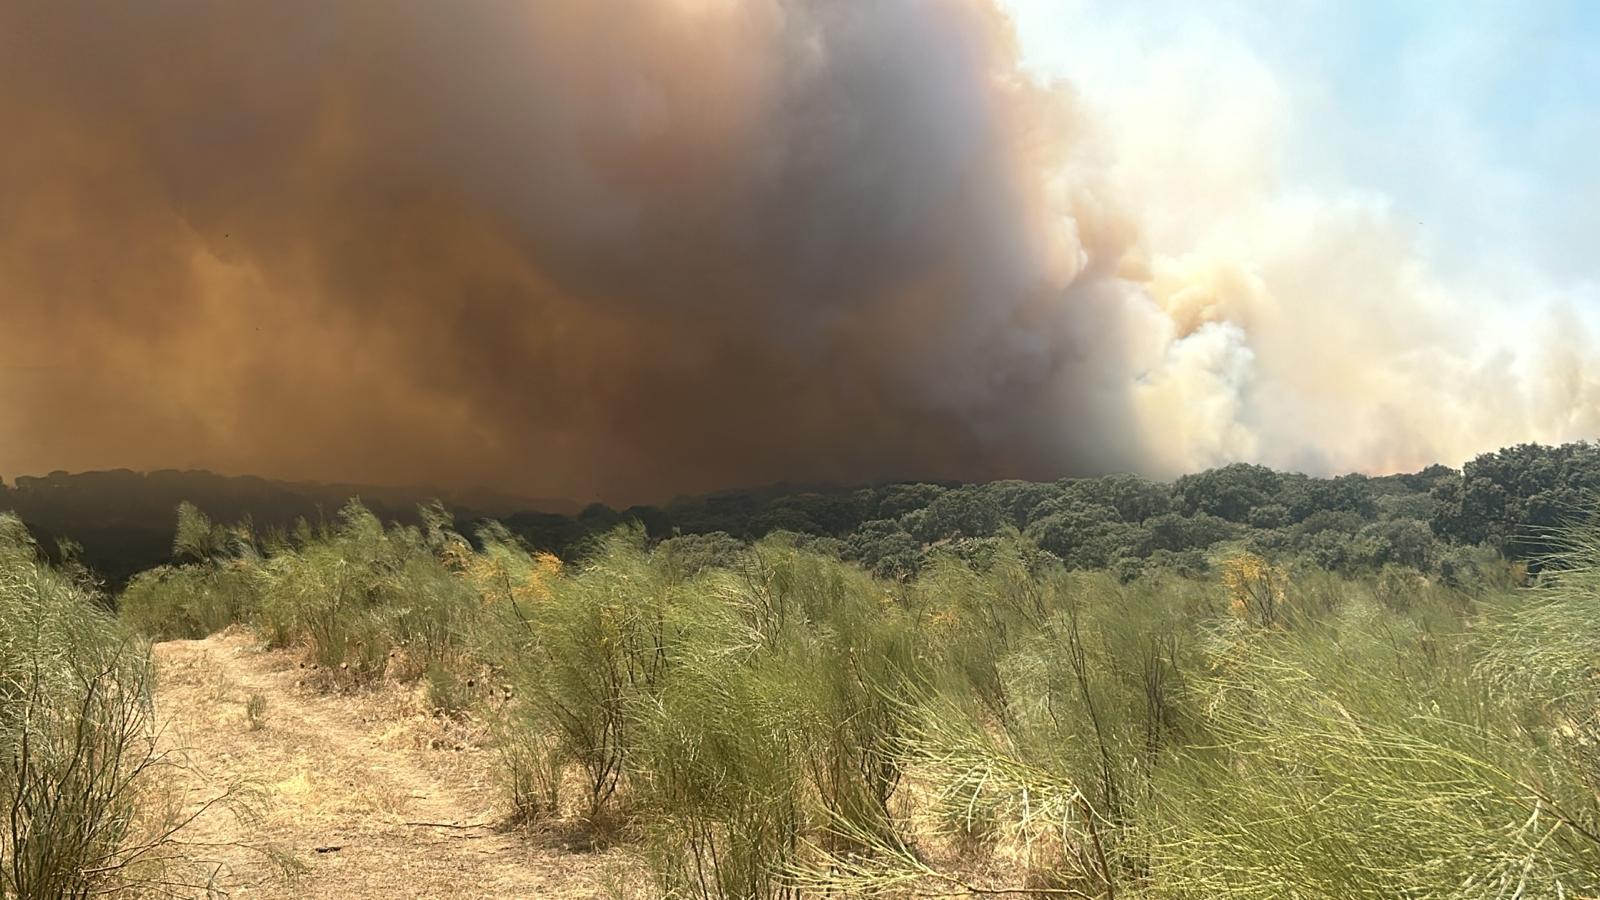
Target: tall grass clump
<point x="584" y="654"/>
<point x="359" y="598"/>
<point x="775" y="736"/>
<point x="78" y="756"/>
<point x="1060" y="698"/>
<point x="1389" y="737"/>
<point x="1280" y="733"/>
<point x="716" y="775"/>
<point x="364" y="600"/>
<point x="188" y="602"/>
<point x="726" y="716"/>
<point x="210" y="586"/>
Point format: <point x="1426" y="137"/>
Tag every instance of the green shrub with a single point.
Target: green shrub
<point x="1362" y="758"/>
<point x="588" y="653"/>
<point x="188" y="601"/>
<point x="360" y="597"/>
<point x="77" y="744"/>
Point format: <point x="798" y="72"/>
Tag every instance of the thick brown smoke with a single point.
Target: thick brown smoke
<point x="627" y="248"/>
<point x="599" y="248"/>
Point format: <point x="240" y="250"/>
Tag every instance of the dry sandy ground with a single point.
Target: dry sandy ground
<point x="353" y="795"/>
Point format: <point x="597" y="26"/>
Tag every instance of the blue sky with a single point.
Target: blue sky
<point x="1479" y="120"/>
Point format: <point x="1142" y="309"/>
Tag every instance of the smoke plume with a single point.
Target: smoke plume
<point x="627" y="249"/>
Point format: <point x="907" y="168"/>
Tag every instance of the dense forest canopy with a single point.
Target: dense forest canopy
<point x="121" y="522"/>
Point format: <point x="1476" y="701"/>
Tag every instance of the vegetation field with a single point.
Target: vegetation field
<point x="1242" y="685"/>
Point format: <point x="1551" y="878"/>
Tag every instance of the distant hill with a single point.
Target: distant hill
<point x="123" y="520"/>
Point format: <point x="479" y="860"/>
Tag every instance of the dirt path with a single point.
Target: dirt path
<point x="354" y="796"/>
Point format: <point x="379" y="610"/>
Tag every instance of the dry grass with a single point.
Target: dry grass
<point x="363" y="794"/>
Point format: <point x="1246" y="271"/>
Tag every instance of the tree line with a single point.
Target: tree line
<point x="1439" y="520"/>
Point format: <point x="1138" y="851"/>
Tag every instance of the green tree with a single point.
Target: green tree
<point x="965" y="512"/>
<point x="884" y="548"/>
<point x="1230" y="492"/>
<point x="1134" y="498"/>
<point x="1513" y="499"/>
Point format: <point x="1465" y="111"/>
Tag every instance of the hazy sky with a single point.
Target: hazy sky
<point x="627" y="248"/>
<point x="1465" y="136"/>
<point x="1480" y="120"/>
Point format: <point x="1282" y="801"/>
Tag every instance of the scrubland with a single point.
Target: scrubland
<point x="771" y="722"/>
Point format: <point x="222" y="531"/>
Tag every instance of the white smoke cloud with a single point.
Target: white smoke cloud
<point x="1290" y="318"/>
